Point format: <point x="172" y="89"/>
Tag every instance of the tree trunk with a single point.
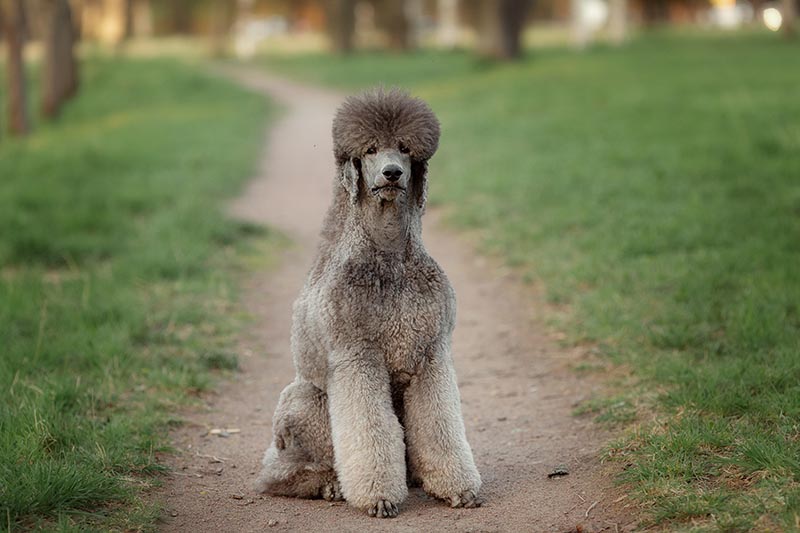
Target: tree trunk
<point x="181" y="16"/>
<point x="789" y="12"/>
<point x="341" y="24"/>
<point x="580" y="33"/>
<point x="60" y="74"/>
<point x="125" y="10"/>
<point x="618" y="21"/>
<point x="142" y="18"/>
<point x="447" y="33"/>
<point x="415" y="14"/>
<point x="500" y="26"/>
<point x="12" y="21"/>
<point x="127" y="20"/>
<point x="655" y="12"/>
<point x="222" y="20"/>
<point x="393" y="20"/>
<point x="758" y="5"/>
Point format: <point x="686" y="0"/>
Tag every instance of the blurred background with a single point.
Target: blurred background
<point x="639" y="160"/>
<point x="496" y="30"/>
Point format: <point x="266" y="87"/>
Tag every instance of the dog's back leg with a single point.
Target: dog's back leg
<point x="299" y="462"/>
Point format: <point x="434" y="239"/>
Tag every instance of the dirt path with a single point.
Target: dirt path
<point x="516" y="391"/>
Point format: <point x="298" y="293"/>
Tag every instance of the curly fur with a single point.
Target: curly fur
<point x="384" y="117"/>
<point x="375" y="397"/>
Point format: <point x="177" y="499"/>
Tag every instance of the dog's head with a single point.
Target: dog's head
<point x="382" y="140"/>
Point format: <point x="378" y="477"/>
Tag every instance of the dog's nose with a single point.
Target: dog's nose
<point x="392" y="171"/>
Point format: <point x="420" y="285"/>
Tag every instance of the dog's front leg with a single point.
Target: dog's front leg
<point x="438" y="451"/>
<point x="367" y="437"/>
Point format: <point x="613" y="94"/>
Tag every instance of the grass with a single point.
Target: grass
<point x="117" y="285"/>
<point x="654" y="191"/>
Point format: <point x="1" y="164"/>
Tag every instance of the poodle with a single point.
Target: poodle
<point x="375" y="402"/>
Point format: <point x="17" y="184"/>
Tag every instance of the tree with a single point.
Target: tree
<point x="60" y="68"/>
<point x="581" y="35"/>
<point x="127" y="19"/>
<point x="618" y="21"/>
<point x="655" y="12"/>
<point x="789" y="12"/>
<point x="223" y="13"/>
<point x="447" y="12"/>
<point x="341" y="24"/>
<point x="124" y="9"/>
<point x="393" y="20"/>
<point x="12" y="21"/>
<point x="500" y="26"/>
<point x="180" y="16"/>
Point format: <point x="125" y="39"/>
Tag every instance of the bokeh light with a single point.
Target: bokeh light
<point x="772" y="18"/>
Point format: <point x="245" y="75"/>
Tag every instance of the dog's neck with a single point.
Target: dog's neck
<point x="368" y="224"/>
<point x="390" y="226"/>
<point x="364" y="226"/>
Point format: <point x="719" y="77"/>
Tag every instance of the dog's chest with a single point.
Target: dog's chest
<point x="414" y="321"/>
<point x="406" y="308"/>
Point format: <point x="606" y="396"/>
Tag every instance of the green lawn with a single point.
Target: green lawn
<point x="655" y="191"/>
<point x="117" y="284"/>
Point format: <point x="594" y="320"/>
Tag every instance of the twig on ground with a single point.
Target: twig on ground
<point x="586" y="514"/>
<point x="571" y="508"/>
<point x="214" y="458"/>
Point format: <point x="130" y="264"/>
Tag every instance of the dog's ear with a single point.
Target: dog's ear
<point x="419" y="178"/>
<point x="350" y="177"/>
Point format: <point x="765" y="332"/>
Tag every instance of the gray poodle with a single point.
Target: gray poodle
<point x="375" y="383"/>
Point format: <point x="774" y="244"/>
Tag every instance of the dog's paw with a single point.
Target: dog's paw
<point x="332" y="491"/>
<point x="467" y="499"/>
<point x="383" y="509"/>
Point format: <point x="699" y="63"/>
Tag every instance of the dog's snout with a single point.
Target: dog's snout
<point x="392" y="171"/>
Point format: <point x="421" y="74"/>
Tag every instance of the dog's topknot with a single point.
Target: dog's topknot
<point x="384" y="117"/>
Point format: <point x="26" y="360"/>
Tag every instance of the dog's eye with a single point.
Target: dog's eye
<point x="372" y="150"/>
<point x="404" y="149"/>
